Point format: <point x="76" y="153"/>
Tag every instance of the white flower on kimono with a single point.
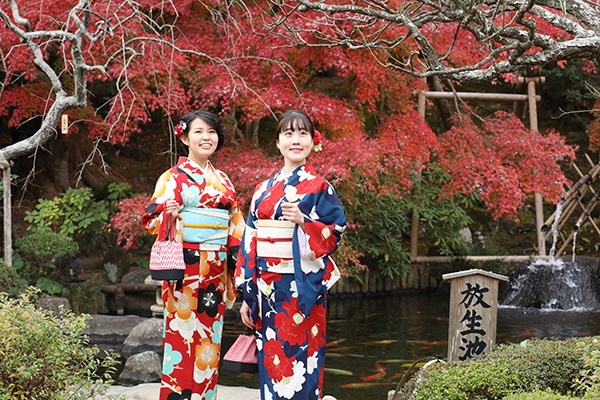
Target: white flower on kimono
<point x="265" y="288"/>
<point x="217" y="328"/>
<point x="190" y="195"/>
<point x="293" y="288"/>
<point x="313" y="213"/>
<point x="212" y="192"/>
<point x="303" y="174"/>
<point x="289" y="385"/>
<point x="268" y="394"/>
<point x="202" y="375"/>
<point x="291" y="194"/>
<point x="185" y="327"/>
<point x="312" y="362"/>
<point x="249" y="233"/>
<point x="171" y="359"/>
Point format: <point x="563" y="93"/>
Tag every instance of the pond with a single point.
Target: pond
<point x="372" y="341"/>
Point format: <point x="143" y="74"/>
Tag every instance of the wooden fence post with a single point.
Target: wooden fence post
<point x="473" y="311"/>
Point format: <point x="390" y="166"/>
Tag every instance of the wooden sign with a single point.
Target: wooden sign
<point x="64" y="124"/>
<point x="473" y="311"/>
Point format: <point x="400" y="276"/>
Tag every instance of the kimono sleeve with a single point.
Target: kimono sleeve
<point x="236" y="231"/>
<point x="246" y="276"/>
<point x="324" y="225"/>
<point x="166" y="189"/>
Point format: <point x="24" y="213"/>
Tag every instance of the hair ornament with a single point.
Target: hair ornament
<point x="317" y="141"/>
<point x="180" y="128"/>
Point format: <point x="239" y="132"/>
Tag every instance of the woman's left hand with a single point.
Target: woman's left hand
<point x="292" y="213"/>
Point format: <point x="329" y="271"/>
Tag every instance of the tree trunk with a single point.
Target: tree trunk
<point x="65" y="161"/>
<point x="434" y="84"/>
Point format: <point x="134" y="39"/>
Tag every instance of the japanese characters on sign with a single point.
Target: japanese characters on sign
<point x="473" y="337"/>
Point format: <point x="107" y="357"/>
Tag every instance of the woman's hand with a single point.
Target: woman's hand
<point x="246" y="318"/>
<point x="172" y="208"/>
<point x="292" y="213"/>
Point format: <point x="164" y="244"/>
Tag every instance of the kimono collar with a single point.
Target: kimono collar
<point x="305" y="169"/>
<point x="193" y="165"/>
<point x="204" y="170"/>
<point x="195" y="171"/>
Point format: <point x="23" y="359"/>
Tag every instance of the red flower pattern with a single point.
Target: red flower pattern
<point x="292" y="324"/>
<point x="277" y="363"/>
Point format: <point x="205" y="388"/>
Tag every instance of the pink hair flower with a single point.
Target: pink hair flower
<point x="180" y="128"/>
<point x="317" y="141"/>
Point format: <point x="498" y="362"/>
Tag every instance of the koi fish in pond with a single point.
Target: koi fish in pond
<point x="336" y="371"/>
<point x="379" y="342"/>
<point x="366" y="384"/>
<point x="379" y="374"/>
<point x="335" y="342"/>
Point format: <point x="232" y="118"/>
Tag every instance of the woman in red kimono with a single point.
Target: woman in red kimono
<point x="284" y="268"/>
<point x="196" y="194"/>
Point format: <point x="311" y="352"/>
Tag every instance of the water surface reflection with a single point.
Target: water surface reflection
<point x="372" y="341"/>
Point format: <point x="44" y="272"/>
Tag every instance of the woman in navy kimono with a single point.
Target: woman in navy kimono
<point x="284" y="268"/>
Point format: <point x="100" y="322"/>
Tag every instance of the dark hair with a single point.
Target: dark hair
<point x="294" y="119"/>
<point x="208" y="117"/>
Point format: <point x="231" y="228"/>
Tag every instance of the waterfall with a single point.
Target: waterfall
<point x="574" y="241"/>
<point x="555" y="230"/>
<point x="552" y="285"/>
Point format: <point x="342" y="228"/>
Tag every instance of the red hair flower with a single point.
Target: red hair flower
<point x="180" y="128"/>
<point x="317" y="141"/>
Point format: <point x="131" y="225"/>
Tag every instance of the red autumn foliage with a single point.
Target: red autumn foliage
<point x="228" y="67"/>
<point x="504" y="162"/>
<point x="127" y="222"/>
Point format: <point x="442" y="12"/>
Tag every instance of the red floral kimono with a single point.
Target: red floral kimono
<point x="194" y="307"/>
<point x="287" y="295"/>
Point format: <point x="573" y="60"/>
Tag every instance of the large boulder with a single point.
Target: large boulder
<point x="146" y="336"/>
<point x="141" y="368"/>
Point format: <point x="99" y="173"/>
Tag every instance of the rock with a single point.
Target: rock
<point x="466" y="234"/>
<point x="108" y="332"/>
<point x="54" y="304"/>
<point x="146" y="336"/>
<point x="141" y="368"/>
<point x="136" y="275"/>
<point x="115" y="265"/>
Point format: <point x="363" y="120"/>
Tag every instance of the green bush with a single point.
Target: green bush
<point x="42" y="249"/>
<point x="10" y="283"/>
<point x="538" y="395"/>
<point x="543" y="365"/>
<point x="589" y="379"/>
<point x="75" y="214"/>
<point x="46" y="357"/>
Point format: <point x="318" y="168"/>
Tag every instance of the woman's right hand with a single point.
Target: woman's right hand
<point x="172" y="208"/>
<point x="246" y="318"/>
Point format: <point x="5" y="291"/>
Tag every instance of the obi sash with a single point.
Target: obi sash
<point x="206" y="226"/>
<point x="274" y="238"/>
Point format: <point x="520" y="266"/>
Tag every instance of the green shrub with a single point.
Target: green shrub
<point x="41" y="249"/>
<point x="589" y="379"/>
<point x="510" y="369"/>
<point x="45" y="357"/>
<point x="538" y="395"/>
<point x="75" y="214"/>
<point x="10" y="283"/>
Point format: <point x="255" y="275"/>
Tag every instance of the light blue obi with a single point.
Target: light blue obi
<point x="205" y="225"/>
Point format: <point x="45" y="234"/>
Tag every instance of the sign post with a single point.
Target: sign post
<point x="473" y="311"/>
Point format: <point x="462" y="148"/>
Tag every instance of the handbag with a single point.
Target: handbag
<point x="166" y="257"/>
<point x="242" y="355"/>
